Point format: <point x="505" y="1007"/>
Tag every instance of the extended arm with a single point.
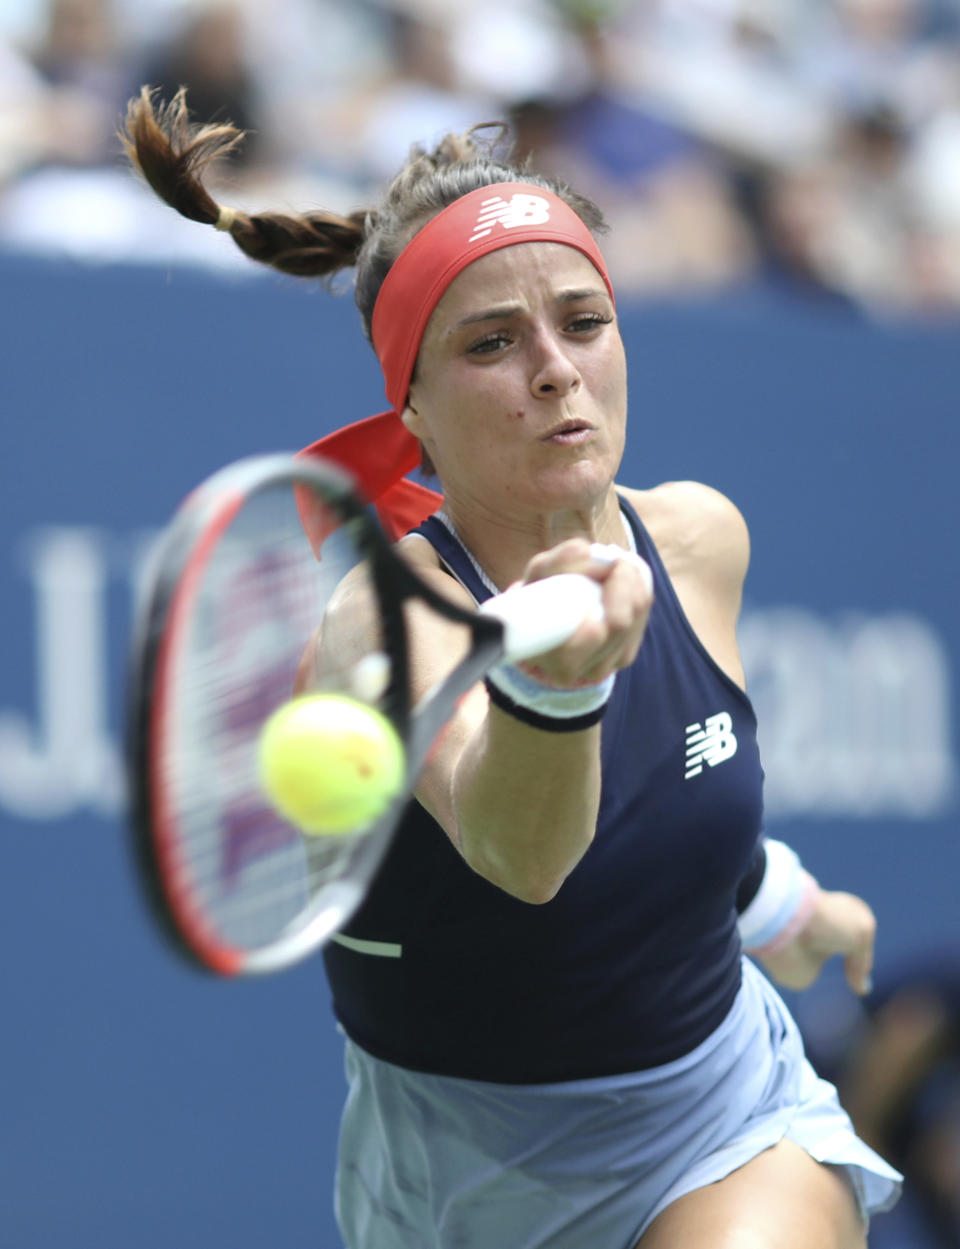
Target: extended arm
<point x="520" y="802"/>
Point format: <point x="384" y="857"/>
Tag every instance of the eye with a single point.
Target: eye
<point x="584" y="322"/>
<point x="490" y="343"/>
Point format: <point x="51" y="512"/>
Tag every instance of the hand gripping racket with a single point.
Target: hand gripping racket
<point x="232" y="599"/>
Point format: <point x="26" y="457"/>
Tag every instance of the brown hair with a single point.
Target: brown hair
<point x="173" y="153"/>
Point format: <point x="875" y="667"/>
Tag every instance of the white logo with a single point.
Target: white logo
<point x="710" y="743"/>
<point x="518" y="210"/>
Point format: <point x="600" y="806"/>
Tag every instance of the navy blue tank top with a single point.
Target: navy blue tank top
<point x="637" y="958"/>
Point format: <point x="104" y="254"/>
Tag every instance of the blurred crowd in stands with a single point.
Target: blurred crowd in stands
<point x="804" y="145"/>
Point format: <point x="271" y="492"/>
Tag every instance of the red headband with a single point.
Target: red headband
<point x="380" y="451"/>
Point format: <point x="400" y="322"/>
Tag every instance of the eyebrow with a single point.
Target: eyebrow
<point x="503" y="311"/>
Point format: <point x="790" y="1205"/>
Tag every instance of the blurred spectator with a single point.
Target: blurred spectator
<point x="794" y="213"/>
<point x="820" y="113"/>
<point x="418" y="97"/>
<point x="207" y="55"/>
<point x="727" y="70"/>
<point x="869" y="57"/>
<point x="63" y="80"/>
<point x="310" y="57"/>
<point x="887" y="85"/>
<point x="80" y="60"/>
<point x="666" y="195"/>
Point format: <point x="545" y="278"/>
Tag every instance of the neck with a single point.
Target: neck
<point x="504" y="545"/>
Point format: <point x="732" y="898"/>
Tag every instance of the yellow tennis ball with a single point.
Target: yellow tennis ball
<point x="329" y="763"/>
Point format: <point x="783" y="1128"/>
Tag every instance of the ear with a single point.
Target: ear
<point x="413" y="420"/>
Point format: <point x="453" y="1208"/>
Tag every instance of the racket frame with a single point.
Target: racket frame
<point x="177" y="566"/>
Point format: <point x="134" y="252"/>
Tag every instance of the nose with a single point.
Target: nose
<point x="554" y="374"/>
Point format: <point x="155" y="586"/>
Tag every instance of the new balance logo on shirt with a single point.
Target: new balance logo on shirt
<point x="709" y="743"/>
<point x="518" y="210"/>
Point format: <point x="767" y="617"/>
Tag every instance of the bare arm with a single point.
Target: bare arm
<point x="519" y="802"/>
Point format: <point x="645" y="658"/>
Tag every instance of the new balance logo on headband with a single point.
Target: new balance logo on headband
<point x="518" y="210"/>
<point x="710" y="743"/>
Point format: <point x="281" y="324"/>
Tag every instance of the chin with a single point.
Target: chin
<point x="574" y="485"/>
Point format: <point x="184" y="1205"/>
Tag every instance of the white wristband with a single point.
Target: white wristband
<point x="567" y="706"/>
<point x="783" y="903"/>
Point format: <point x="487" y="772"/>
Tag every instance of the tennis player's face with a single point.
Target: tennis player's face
<point x="520" y="391"/>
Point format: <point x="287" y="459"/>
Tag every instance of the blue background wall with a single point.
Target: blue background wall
<point x="143" y="1104"/>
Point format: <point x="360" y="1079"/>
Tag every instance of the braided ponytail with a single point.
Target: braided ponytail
<point x="172" y="154"/>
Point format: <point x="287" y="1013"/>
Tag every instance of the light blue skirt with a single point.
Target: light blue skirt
<point x="432" y="1162"/>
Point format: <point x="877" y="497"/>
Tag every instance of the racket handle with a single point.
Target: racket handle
<point x="539" y="615"/>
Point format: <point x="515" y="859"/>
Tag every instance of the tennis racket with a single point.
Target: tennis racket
<point x="234" y="595"/>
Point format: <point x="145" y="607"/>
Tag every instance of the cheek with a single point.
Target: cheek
<point x="470" y="431"/>
<point x="485" y="407"/>
<point x="614" y="386"/>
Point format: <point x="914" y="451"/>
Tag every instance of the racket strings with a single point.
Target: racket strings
<point x="258" y="602"/>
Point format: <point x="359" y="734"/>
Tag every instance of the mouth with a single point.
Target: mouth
<point x="569" y="433"/>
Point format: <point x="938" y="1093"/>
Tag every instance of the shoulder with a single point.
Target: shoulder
<point x="418" y="553"/>
<point x="688" y="508"/>
<point x="696" y="530"/>
<point x="420" y="556"/>
<point x="355" y="600"/>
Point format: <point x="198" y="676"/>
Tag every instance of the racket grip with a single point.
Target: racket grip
<point x="539" y="615"/>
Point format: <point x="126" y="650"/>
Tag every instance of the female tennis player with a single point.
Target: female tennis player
<point x="554" y="1039"/>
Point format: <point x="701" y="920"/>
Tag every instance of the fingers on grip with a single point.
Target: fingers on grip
<point x="609" y="554"/>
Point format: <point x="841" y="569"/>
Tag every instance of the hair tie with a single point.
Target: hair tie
<point x="225" y="219"/>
